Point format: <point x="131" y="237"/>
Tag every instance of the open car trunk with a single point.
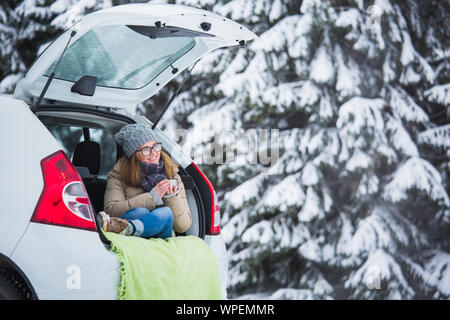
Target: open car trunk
<point x="87" y="135"/>
<point x="121" y="56"/>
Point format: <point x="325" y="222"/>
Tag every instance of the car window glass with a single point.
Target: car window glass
<point x="69" y="137"/>
<point x="120" y="57"/>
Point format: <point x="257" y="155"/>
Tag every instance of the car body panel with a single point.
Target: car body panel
<point x="25" y="141"/>
<point x="67" y="263"/>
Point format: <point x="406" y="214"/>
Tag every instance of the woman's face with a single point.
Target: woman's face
<point x="153" y="157"/>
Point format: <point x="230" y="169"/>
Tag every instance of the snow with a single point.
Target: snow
<point x="292" y="237"/>
<point x="380" y="269"/>
<point x="309" y="94"/>
<point x="359" y="112"/>
<point x="437" y="137"/>
<point x="289" y="162"/>
<point x="282" y="96"/>
<point x="383" y="6"/>
<point x="236" y="66"/>
<point x="276" y="11"/>
<point x="410" y="76"/>
<point x="322" y="288"/>
<point x="234" y="227"/>
<point x="363" y="43"/>
<point x="299" y="48"/>
<point x="359" y="160"/>
<point x="284" y="194"/>
<point x="409" y="56"/>
<point x="312" y="142"/>
<point x="426" y="69"/>
<point x="309" y="6"/>
<point x="348" y="18"/>
<point x="311" y="207"/>
<point x="371" y="233"/>
<point x="8" y="83"/>
<point x="252" y="81"/>
<point x="274" y="233"/>
<point x="216" y="62"/>
<point x="235" y="278"/>
<point x="71" y="11"/>
<point x="260" y="232"/>
<point x="322" y="69"/>
<point x="195" y="3"/>
<point x="394" y="32"/>
<point x="213" y="121"/>
<point x="300" y="94"/>
<point x="438" y="270"/>
<point x="327" y="110"/>
<point x="348" y="81"/>
<point x="368" y="185"/>
<point x="389" y="74"/>
<point x="250" y="189"/>
<point x="254" y="296"/>
<point x="30" y="7"/>
<point x="404" y="106"/>
<point x="311" y="250"/>
<point x="310" y="175"/>
<point x="240" y="9"/>
<point x="400" y="138"/>
<point x="419" y="174"/>
<point x="293" y="294"/>
<point x="381" y="229"/>
<point x="359" y="120"/>
<point x="270" y="40"/>
<point x="332" y="144"/>
<point x="439" y="94"/>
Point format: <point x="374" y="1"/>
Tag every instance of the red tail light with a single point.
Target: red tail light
<point x="64" y="200"/>
<point x="215" y="210"/>
<point x="215" y="219"/>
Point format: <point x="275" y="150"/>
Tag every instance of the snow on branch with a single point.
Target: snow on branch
<point x="419" y="174"/>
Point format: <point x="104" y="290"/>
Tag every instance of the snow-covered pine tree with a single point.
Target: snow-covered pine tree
<point x="352" y="209"/>
<point x="28" y="26"/>
<point x="23" y="26"/>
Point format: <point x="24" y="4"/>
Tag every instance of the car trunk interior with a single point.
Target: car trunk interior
<point x="73" y="128"/>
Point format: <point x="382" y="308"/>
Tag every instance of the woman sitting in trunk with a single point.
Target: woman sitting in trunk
<point x="139" y="198"/>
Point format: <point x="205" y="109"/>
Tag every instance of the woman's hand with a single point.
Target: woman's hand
<point x="173" y="190"/>
<point x="163" y="187"/>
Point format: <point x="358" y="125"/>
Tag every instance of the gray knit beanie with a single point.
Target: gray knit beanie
<point x="132" y="136"/>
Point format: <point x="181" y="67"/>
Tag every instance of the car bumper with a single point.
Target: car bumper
<point x="66" y="263"/>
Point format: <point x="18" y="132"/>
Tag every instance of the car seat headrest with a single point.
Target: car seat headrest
<point x="87" y="154"/>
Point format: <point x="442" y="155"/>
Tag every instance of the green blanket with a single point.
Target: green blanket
<point x="179" y="268"/>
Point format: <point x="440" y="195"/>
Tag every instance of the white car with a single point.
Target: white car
<point x="57" y="145"/>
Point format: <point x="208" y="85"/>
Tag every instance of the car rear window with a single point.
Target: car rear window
<point x="120" y="56"/>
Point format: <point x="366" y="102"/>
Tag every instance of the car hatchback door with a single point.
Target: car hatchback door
<point x="123" y="55"/>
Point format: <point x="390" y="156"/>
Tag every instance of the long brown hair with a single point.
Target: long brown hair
<point x="131" y="172"/>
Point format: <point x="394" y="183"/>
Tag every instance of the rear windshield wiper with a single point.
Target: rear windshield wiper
<point x="52" y="75"/>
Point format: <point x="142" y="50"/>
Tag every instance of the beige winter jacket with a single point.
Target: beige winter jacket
<point x="120" y="198"/>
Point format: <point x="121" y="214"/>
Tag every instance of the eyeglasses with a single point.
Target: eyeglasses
<point x="146" y="151"/>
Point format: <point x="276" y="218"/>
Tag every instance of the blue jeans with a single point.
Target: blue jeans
<point x="157" y="223"/>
